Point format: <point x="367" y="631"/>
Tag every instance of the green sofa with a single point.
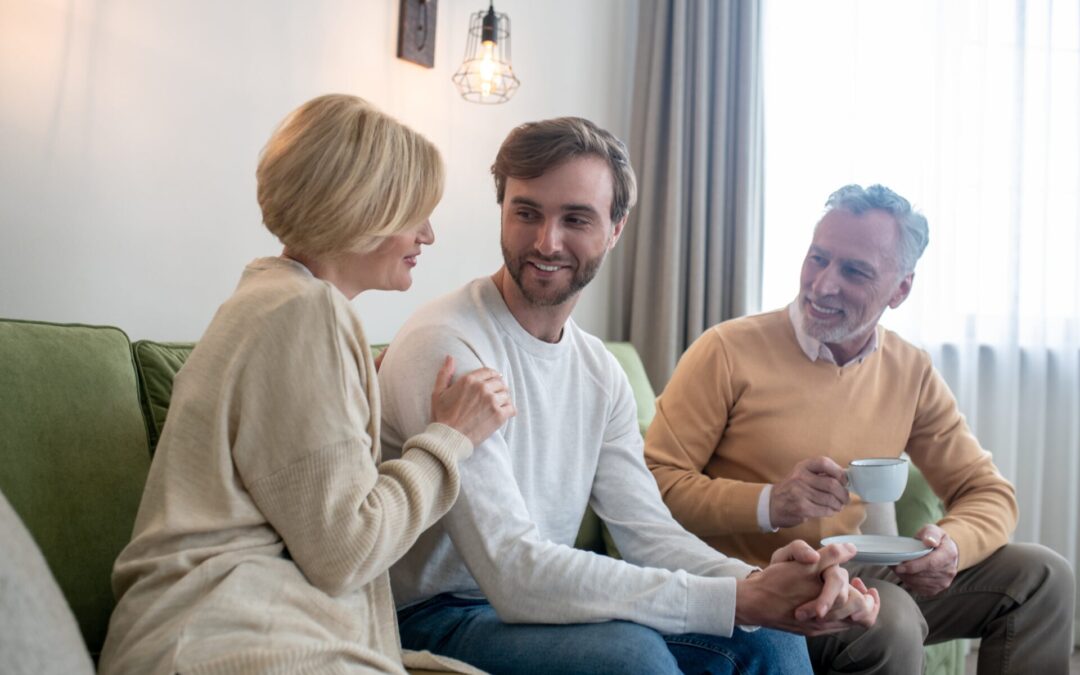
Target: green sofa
<point x="81" y="409"/>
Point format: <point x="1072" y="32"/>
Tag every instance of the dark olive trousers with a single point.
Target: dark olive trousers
<point x="1019" y="601"/>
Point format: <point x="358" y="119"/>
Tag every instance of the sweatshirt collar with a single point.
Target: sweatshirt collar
<point x="493" y="300"/>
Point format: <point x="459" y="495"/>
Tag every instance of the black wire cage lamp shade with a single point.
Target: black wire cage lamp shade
<point x="486" y="75"/>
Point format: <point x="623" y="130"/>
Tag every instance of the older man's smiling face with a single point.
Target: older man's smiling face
<point x="849" y="276"/>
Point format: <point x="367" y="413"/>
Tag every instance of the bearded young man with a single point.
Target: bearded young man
<point x="762" y="413"/>
<point x="497" y="583"/>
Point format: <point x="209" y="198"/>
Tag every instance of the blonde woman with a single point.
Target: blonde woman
<point x="268" y="524"/>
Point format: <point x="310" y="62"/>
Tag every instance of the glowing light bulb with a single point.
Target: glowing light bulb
<point x="487" y="68"/>
<point x="486" y="76"/>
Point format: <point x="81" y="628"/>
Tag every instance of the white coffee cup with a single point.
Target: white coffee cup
<point x="880" y="479"/>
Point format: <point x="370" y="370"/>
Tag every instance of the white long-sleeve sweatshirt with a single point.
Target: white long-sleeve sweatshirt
<point x="574" y="442"/>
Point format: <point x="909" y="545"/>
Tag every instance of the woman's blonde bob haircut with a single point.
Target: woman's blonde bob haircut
<point x="338" y="175"/>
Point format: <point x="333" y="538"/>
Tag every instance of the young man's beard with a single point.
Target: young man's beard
<point x="551" y="296"/>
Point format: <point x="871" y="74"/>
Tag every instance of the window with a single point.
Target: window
<point x="969" y="108"/>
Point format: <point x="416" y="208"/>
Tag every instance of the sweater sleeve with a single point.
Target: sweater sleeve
<point x="526" y="577"/>
<point x="981" y="509"/>
<point x="692" y="415"/>
<point x="303" y="448"/>
<point x="626" y="498"/>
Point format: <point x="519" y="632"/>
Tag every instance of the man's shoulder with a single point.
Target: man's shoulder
<point x="592" y="352"/>
<point x="895" y="349"/>
<point x="755" y="329"/>
<point x="754" y="323"/>
<point x="458" y="307"/>
<point x="448" y="326"/>
<point x="584" y="341"/>
<point x="459" y="314"/>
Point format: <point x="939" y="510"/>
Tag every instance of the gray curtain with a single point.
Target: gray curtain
<point x="691" y="253"/>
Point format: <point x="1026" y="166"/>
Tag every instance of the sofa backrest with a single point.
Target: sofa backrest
<point x="158" y="363"/>
<point x="73" y="453"/>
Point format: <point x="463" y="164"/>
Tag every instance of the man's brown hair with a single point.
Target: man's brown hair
<point x="534" y="148"/>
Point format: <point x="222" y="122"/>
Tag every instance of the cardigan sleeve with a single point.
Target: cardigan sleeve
<point x="691" y="417"/>
<point x="301" y="421"/>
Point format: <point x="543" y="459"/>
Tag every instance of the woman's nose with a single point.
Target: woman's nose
<point x="425" y="235"/>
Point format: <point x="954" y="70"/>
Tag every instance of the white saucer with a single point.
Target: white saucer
<point x="881" y="550"/>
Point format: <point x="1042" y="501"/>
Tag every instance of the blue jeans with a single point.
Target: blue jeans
<point x="470" y="631"/>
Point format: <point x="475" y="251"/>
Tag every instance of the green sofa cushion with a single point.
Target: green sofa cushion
<point x="158" y="363"/>
<point x="74" y="451"/>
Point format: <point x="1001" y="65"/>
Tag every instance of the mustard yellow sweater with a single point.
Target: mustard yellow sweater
<point x="745" y="405"/>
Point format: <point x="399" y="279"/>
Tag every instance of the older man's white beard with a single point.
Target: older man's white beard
<point x="846" y="330"/>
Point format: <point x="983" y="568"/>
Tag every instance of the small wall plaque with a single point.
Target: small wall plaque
<point x="416" y="31"/>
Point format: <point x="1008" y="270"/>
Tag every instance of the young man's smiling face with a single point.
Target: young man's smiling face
<point x="556" y="229"/>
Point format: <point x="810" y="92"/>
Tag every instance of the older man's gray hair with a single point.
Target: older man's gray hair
<point x="914" y="231"/>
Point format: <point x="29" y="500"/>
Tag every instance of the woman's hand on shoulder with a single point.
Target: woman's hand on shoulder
<point x="476" y="404"/>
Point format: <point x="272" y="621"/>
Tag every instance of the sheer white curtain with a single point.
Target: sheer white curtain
<point x="970" y="109"/>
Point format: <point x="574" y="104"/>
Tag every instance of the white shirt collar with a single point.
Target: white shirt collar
<point x="816" y="349"/>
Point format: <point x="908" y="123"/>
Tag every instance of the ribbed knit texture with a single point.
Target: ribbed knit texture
<point x="267" y="524"/>
<point x="575" y="442"/>
<point x="745" y="405"/>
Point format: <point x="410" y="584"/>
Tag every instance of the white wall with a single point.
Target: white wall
<point x="130" y="129"/>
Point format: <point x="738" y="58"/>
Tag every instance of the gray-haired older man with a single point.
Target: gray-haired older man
<point x="762" y="413"/>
